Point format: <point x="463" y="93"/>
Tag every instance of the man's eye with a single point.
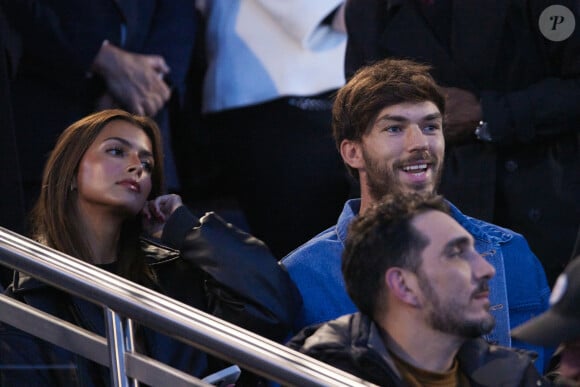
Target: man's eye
<point x="431" y="128"/>
<point x="116" y="151"/>
<point x="393" y="129"/>
<point x="456" y="252"/>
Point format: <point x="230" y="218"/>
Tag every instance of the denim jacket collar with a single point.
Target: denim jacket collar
<point x="480" y="230"/>
<point x="488" y="238"/>
<point x="350" y="210"/>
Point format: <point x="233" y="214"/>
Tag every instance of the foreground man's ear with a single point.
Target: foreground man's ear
<point x="402" y="284"/>
<point x="351" y="153"/>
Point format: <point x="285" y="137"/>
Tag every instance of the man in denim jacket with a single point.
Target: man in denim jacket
<point x="388" y="126"/>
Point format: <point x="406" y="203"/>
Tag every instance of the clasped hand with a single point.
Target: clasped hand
<point x="134" y="81"/>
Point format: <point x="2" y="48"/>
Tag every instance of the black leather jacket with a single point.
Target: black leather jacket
<point x="344" y="344"/>
<point x="205" y="263"/>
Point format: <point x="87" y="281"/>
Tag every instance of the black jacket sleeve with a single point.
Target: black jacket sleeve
<point x="244" y="284"/>
<point x="548" y="106"/>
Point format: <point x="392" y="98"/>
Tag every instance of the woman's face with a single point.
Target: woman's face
<point x="115" y="172"/>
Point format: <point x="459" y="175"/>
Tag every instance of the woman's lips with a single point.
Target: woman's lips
<point x="131" y="184"/>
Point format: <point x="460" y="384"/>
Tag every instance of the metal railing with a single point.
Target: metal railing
<point x="125" y="302"/>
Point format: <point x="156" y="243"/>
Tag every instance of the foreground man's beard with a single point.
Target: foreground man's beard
<point x="449" y="318"/>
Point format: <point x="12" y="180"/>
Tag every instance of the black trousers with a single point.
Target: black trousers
<point x="280" y="162"/>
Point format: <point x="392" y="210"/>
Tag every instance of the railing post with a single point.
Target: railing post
<point x="116" y="343"/>
<point x="130" y="345"/>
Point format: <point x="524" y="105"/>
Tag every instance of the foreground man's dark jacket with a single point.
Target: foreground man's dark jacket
<point x="205" y="263"/>
<point x="345" y="344"/>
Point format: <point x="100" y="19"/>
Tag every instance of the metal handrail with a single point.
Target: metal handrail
<point x="90" y="346"/>
<point x="166" y="315"/>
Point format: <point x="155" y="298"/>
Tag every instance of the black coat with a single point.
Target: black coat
<point x="211" y="266"/>
<point x="528" y="178"/>
<point x="11" y="209"/>
<point x="344" y="344"/>
<point x="11" y="206"/>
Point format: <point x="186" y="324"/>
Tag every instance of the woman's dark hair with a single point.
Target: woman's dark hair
<point x="54" y="219"/>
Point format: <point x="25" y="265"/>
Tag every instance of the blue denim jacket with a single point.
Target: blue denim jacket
<point x="518" y="291"/>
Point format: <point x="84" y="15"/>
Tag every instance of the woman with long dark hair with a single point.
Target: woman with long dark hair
<point x="102" y="202"/>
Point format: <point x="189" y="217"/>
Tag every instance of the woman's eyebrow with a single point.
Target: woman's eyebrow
<point x="125" y="142"/>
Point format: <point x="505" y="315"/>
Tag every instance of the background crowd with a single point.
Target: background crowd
<point x="243" y="91"/>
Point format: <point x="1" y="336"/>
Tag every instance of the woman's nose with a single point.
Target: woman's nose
<point x="135" y="165"/>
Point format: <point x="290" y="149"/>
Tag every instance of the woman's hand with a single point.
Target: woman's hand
<point x="156" y="212"/>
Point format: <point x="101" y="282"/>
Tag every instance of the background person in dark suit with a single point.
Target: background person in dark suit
<point x="11" y="212"/>
<point x="83" y="56"/>
<point x="11" y="206"/>
<point x="504" y="63"/>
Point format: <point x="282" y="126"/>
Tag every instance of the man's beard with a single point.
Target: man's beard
<point x="448" y="318"/>
<point x="382" y="180"/>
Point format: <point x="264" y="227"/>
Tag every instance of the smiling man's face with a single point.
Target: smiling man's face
<point x="403" y="150"/>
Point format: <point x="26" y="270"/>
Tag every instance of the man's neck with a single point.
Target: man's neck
<point x="366" y="199"/>
<point x="419" y="345"/>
